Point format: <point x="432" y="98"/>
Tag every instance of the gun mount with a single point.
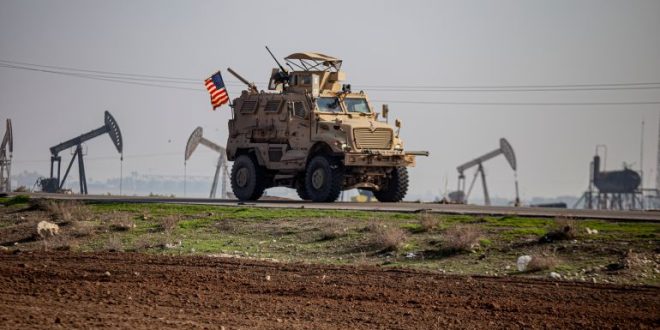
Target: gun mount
<point x="6" y="151"/>
<point x="54" y="183"/>
<point x="195" y="139"/>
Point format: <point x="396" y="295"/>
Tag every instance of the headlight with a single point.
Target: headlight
<point x="398" y="147"/>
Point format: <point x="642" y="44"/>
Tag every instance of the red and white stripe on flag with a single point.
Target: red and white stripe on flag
<point x="218" y="92"/>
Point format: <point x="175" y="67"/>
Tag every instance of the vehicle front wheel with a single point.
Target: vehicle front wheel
<point x="395" y="188"/>
<point x="301" y="189"/>
<point x="248" y="178"/>
<point x="323" y="179"/>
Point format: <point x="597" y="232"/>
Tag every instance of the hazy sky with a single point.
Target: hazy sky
<point x="383" y="43"/>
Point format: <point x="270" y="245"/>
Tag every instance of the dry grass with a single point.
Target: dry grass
<point x="114" y="244"/>
<point x="542" y="262"/>
<point x="428" y="222"/>
<point x="461" y="238"/>
<point x="146" y="242"/>
<point x="386" y="238"/>
<point x="332" y="229"/>
<point x="81" y="229"/>
<point x="122" y="223"/>
<point x="68" y="211"/>
<point x="169" y="223"/>
<point x="60" y="243"/>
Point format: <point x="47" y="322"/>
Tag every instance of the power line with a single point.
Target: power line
<point x="422" y="88"/>
<point x="170" y="82"/>
<point x="512" y="90"/>
<point x="521" y="103"/>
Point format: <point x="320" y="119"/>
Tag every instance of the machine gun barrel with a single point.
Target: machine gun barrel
<point x="276" y="61"/>
<point x="250" y="85"/>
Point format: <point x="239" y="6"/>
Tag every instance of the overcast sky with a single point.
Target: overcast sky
<point x="382" y="43"/>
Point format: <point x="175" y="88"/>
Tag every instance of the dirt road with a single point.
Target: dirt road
<point x="67" y="290"/>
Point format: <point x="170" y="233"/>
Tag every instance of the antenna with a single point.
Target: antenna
<point x="54" y="184"/>
<point x="197" y="138"/>
<point x="6" y="150"/>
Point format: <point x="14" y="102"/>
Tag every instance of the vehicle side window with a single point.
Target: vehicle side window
<point x="328" y="104"/>
<point x="299" y="109"/>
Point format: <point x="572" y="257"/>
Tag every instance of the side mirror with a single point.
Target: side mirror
<point x="386" y="111"/>
<point x="398" y="124"/>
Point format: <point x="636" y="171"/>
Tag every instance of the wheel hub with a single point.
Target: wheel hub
<point x="318" y="178"/>
<point x="242" y="177"/>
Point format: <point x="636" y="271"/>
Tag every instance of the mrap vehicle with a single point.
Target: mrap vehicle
<point x="315" y="135"/>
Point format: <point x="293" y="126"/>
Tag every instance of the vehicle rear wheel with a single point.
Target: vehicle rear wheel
<point x="323" y="179"/>
<point x="395" y="188"/>
<point x="248" y="178"/>
<point x="301" y="189"/>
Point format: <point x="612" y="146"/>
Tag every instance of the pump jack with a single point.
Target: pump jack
<point x="6" y="150"/>
<point x="54" y="184"/>
<point x="460" y="196"/>
<point x="196" y="139"/>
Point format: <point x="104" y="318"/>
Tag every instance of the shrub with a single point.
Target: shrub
<point x="564" y="229"/>
<point x="114" y="244"/>
<point x="333" y="229"/>
<point x="68" y="211"/>
<point x="81" y="229"/>
<point x="387" y="238"/>
<point x="169" y="223"/>
<point x="122" y="223"/>
<point x="541" y="262"/>
<point x="460" y="238"/>
<point x="428" y="222"/>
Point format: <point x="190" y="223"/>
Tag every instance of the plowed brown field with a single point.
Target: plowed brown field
<point x="68" y="290"/>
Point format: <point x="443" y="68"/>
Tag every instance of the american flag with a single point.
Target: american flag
<point x="216" y="87"/>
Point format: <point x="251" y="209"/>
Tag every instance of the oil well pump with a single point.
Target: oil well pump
<point x="6" y="150"/>
<point x="459" y="196"/>
<point x="54" y="183"/>
<point x="197" y="138"/>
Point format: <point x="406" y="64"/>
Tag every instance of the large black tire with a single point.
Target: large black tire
<point x="395" y="187"/>
<point x="248" y="178"/>
<point x="301" y="188"/>
<point x="323" y="178"/>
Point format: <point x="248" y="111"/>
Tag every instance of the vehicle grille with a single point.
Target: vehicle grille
<point x="381" y="138"/>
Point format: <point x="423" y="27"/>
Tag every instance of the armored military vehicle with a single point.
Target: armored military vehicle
<point x="314" y="134"/>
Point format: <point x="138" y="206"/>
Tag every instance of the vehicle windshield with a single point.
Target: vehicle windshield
<point x="328" y="104"/>
<point x="356" y="105"/>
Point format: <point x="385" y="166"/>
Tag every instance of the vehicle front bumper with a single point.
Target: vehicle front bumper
<point x="379" y="158"/>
